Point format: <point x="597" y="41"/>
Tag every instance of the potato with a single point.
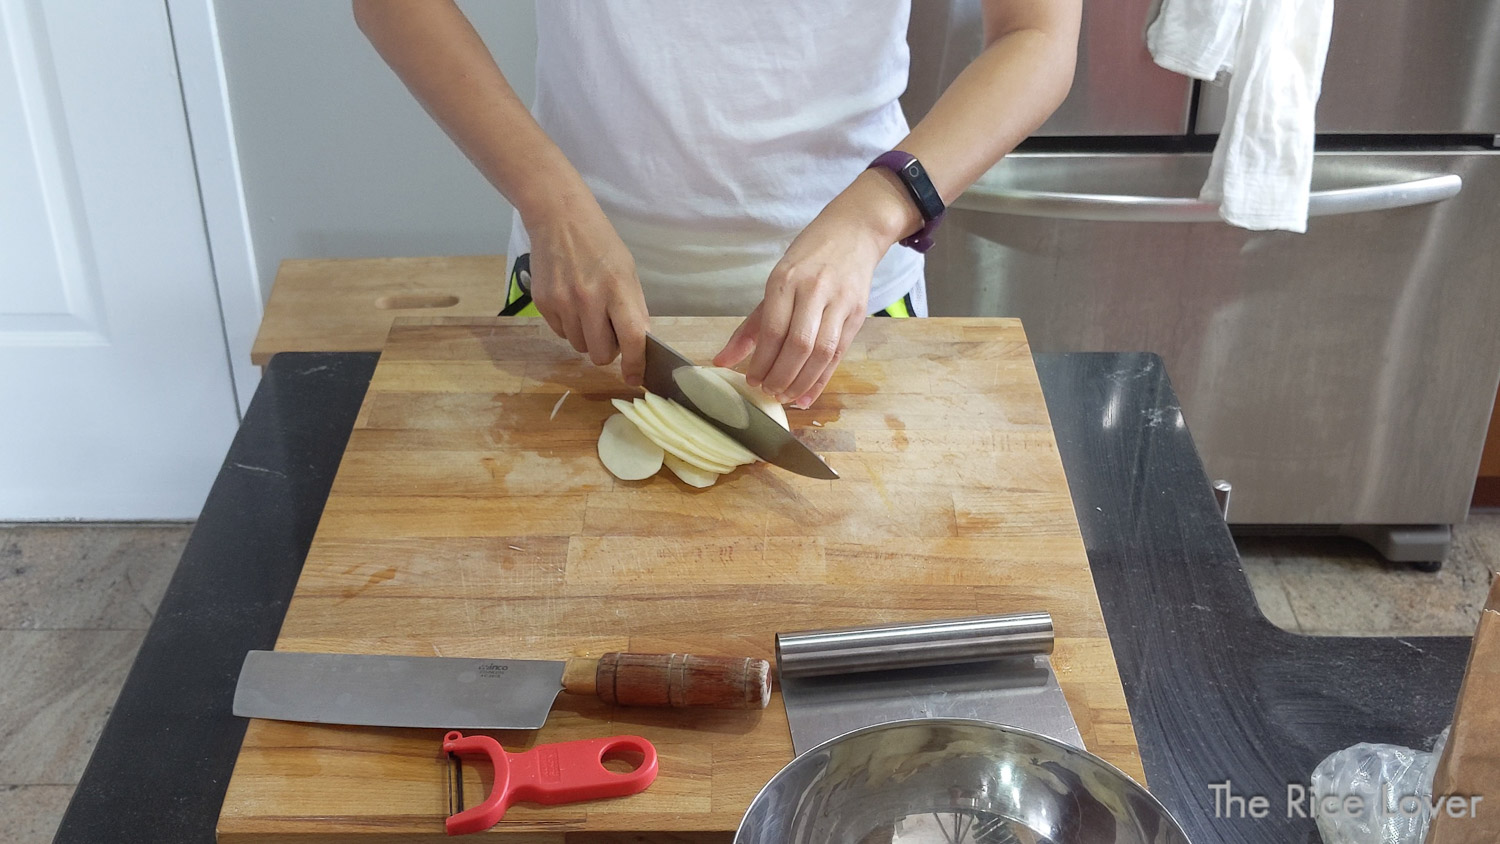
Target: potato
<point x="767" y="404"/>
<point x="627" y="452"/>
<point x="705" y="437"/>
<point x="688" y="473"/>
<point x="712" y="396"/>
<point x="669" y="441"/>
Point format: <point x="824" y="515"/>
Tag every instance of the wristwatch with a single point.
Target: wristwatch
<point x="914" y="176"/>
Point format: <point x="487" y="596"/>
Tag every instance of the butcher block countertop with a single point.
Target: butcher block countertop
<point x="466" y="520"/>
<point x="348" y="304"/>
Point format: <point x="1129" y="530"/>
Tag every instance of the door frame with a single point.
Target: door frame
<point x="221" y="190"/>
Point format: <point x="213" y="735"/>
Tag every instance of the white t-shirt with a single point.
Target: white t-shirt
<point x="713" y="132"/>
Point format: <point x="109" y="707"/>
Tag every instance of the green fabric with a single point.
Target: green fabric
<point x="517" y="298"/>
<point x="900" y="310"/>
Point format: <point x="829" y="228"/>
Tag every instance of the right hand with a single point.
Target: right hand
<point x="584" y="284"/>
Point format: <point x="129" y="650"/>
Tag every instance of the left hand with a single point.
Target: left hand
<point x="816" y="300"/>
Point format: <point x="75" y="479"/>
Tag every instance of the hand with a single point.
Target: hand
<point x="818" y="294"/>
<point x="584" y="284"/>
<point x="815" y="302"/>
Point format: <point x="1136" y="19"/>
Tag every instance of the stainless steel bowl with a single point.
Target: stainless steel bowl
<point x="943" y="781"/>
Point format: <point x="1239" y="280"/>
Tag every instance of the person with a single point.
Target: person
<point x="692" y="157"/>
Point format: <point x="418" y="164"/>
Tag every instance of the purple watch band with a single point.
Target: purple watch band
<point x="914" y="176"/>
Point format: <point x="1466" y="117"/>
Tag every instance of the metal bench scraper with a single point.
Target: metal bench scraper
<point x="989" y="668"/>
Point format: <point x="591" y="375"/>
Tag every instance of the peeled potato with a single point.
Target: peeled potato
<point x="767" y="404"/>
<point x="667" y="440"/>
<point x="627" y="452"/>
<point x="707" y="438"/>
<point x="690" y="474"/>
<point x="712" y="396"/>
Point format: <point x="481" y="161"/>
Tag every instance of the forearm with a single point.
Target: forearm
<point x="444" y="63"/>
<point x="996" y="102"/>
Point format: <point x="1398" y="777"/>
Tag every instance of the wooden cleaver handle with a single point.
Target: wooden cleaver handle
<point x="675" y="680"/>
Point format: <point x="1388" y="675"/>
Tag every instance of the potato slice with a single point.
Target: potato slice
<point x="688" y="473"/>
<point x="669" y="442"/>
<point x="767" y="404"/>
<point x="627" y="452"/>
<point x="708" y="439"/>
<point x="651" y="408"/>
<point x="693" y="450"/>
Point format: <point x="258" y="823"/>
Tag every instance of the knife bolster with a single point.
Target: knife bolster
<point x="579" y="674"/>
<point x="682" y="680"/>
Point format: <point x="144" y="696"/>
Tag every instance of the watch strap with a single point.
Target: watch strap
<point x="922" y="192"/>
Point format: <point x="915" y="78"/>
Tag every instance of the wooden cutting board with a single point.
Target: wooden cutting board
<point x="467" y="520"/>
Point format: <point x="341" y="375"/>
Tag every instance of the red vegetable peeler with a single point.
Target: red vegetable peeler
<point x="566" y="772"/>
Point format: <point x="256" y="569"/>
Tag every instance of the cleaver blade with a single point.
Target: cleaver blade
<point x="482" y="694"/>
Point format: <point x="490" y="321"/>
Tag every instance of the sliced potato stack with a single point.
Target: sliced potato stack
<point x="652" y="432"/>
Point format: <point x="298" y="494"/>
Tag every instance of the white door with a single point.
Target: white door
<point x="116" y="400"/>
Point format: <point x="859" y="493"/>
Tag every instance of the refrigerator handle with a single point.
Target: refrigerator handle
<point x="1176" y="209"/>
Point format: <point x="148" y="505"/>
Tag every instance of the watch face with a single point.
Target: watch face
<point x="923" y="193"/>
<point x="922" y="190"/>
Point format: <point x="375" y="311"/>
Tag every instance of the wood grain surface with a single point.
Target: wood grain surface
<point x="466" y="522"/>
<point x="348" y="304"/>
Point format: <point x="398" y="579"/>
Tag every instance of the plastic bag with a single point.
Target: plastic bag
<point x="1394" y="785"/>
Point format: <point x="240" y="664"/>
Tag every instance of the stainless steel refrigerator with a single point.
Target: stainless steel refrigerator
<point x="1341" y="378"/>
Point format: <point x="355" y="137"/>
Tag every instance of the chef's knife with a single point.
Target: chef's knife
<point x="672" y="376"/>
<point x="483" y="694"/>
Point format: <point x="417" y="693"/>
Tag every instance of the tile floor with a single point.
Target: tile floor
<point x="75" y="601"/>
<point x="1339" y="587"/>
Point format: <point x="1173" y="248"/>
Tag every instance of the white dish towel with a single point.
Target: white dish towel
<point x="1272" y="52"/>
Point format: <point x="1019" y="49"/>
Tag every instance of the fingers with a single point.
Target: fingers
<point x="563" y="319"/>
<point x="599" y="335"/>
<point x="553" y="322"/>
<point x="741" y="342"/>
<point x="548" y="312"/>
<point x="811" y="394"/>
<point x="546" y="305"/>
<point x="797" y="347"/>
<point x="826" y="351"/>
<point x="601" y="319"/>
<point x="573" y="330"/>
<point x="775" y="318"/>
<point x="629" y="323"/>
<point x="817" y="388"/>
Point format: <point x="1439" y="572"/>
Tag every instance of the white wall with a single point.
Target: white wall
<point x="337" y="158"/>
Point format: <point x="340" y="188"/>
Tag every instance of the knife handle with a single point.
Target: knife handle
<point x="671" y="680"/>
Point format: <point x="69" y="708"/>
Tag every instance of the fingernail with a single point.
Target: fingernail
<point x="803" y="403"/>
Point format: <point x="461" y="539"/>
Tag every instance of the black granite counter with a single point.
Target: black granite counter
<point x="1216" y="692"/>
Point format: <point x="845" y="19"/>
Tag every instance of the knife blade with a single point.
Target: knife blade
<point x="672" y="376"/>
<point x="483" y="694"/>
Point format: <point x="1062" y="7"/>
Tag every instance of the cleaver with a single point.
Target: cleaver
<point x="672" y="376"/>
<point x="483" y="694"/>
